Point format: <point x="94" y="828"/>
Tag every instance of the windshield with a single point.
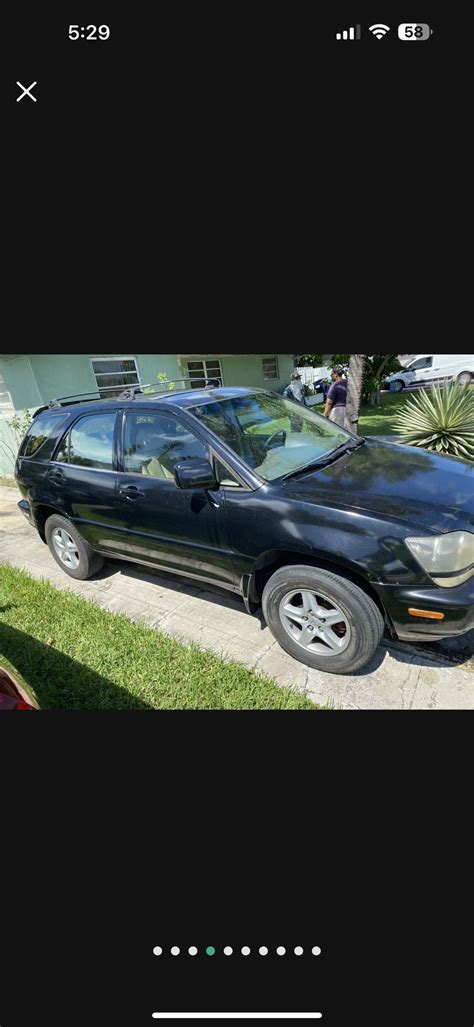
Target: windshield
<point x="272" y="435"/>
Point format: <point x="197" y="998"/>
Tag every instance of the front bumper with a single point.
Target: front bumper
<point x="457" y="605"/>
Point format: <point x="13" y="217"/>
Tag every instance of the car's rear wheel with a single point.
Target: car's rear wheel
<point x="464" y="378"/>
<point x="397" y="385"/>
<point x="73" y="554"/>
<point x="322" y="619"/>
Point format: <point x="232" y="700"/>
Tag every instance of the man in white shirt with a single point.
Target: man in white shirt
<point x="295" y="390"/>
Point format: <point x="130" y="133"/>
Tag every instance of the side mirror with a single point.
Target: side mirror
<point x="194" y="474"/>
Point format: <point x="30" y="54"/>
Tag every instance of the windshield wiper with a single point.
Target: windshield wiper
<point x="328" y="458"/>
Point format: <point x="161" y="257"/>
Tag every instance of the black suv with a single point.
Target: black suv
<point x="337" y="537"/>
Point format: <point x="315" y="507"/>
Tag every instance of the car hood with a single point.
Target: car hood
<point x="400" y="483"/>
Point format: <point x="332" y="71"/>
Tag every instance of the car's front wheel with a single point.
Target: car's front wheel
<point x="73" y="554"/>
<point x="322" y="619"/>
<point x="397" y="385"/>
<point x="464" y="378"/>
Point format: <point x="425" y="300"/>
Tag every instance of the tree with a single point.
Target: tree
<point x="355" y="378"/>
<point x="311" y="360"/>
<point x="376" y="368"/>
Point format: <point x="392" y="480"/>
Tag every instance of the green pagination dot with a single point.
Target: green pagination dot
<point x="210" y="951"/>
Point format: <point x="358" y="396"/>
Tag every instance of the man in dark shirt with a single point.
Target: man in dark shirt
<point x="335" y="407"/>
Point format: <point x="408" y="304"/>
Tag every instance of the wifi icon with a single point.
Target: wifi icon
<point x="379" y="31"/>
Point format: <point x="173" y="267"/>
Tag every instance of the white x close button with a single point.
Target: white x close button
<point x="26" y="92"/>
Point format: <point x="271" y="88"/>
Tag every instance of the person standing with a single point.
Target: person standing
<point x="295" y="390"/>
<point x="335" y="408"/>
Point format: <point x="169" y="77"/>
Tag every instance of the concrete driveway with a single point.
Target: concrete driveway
<point x="400" y="677"/>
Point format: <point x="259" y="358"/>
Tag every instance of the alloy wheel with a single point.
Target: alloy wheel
<point x="315" y="622"/>
<point x="66" y="548"/>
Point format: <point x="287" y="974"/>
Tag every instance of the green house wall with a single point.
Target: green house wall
<point x="35" y="379"/>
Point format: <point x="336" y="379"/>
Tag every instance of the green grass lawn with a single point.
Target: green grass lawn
<point x="379" y="420"/>
<point x="372" y="420"/>
<point x="376" y="420"/>
<point x="78" y="656"/>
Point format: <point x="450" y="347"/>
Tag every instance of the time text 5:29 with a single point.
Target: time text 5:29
<point x="89" y="32"/>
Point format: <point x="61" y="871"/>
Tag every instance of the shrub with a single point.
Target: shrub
<point x="18" y="425"/>
<point x="441" y="420"/>
<point x="163" y="380"/>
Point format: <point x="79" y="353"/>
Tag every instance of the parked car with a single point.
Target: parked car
<point x="337" y="537"/>
<point x="15" y="694"/>
<point x="434" y="368"/>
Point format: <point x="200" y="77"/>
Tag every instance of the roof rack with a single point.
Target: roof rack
<point x="130" y="393"/>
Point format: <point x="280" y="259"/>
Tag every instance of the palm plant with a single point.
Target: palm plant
<point x="441" y="420"/>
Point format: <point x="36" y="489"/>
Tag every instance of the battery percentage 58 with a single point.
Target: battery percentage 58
<point x="413" y="31"/>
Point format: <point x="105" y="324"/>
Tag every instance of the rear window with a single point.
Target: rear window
<point x="41" y="429"/>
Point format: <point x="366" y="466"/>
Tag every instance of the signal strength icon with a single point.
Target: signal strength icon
<point x="352" y="33"/>
<point x="379" y="31"/>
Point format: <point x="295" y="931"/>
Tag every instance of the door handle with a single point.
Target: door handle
<point x="131" y="492"/>
<point x="57" y="478"/>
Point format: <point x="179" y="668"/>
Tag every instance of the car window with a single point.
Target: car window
<point x="225" y="477"/>
<point x="89" y="443"/>
<point x="40" y="430"/>
<point x="422" y="362"/>
<point x="272" y="435"/>
<point x="154" y="443"/>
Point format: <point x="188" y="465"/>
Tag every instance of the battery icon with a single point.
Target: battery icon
<point x="413" y="31"/>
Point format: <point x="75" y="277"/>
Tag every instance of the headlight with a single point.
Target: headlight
<point x="441" y="557"/>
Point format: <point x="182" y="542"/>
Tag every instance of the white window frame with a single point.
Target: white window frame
<point x="270" y="377"/>
<point x="205" y="372"/>
<point x="6" y="406"/>
<point x="107" y="373"/>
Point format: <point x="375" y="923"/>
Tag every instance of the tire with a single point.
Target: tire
<point x="81" y="562"/>
<point x="355" y="637"/>
<point x="398" y="385"/>
<point x="464" y="378"/>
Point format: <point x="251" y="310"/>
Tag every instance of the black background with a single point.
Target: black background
<point x="126" y="831"/>
<point x="233" y="177"/>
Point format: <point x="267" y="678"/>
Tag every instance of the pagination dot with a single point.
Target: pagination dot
<point x="175" y="950"/>
<point x="298" y="950"/>
<point x="245" y="950"/>
<point x="281" y="951"/>
<point x="228" y="951"/>
<point x="210" y="951"/>
<point x="192" y="950"/>
<point x="263" y="951"/>
<point x="316" y="950"/>
<point x="157" y="950"/>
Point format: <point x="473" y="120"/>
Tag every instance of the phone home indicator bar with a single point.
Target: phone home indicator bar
<point x="237" y="1016"/>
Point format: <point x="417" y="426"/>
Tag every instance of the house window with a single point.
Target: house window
<point x="113" y="375"/>
<point x="6" y="405"/>
<point x="270" y="368"/>
<point x="200" y="370"/>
